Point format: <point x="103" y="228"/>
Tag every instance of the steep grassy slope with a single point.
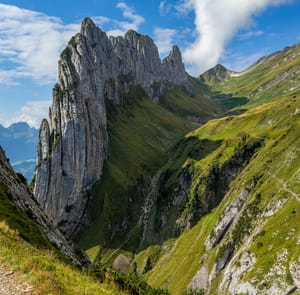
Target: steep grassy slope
<point x="29" y="246"/>
<point x="140" y="133"/>
<point x="215" y="211"/>
<point x="248" y="238"/>
<point x="24" y="248"/>
<point x="271" y="77"/>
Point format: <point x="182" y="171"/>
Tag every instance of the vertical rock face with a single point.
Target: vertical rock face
<point x="74" y="143"/>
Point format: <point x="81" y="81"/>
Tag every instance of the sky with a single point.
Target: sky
<point x="235" y="33"/>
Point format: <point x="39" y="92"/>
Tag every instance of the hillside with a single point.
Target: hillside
<point x="235" y="183"/>
<point x="123" y="171"/>
<point x="269" y="78"/>
<point x="31" y="246"/>
<point x="251" y="229"/>
<point x="117" y="108"/>
<point x="36" y="259"/>
<point x="140" y="134"/>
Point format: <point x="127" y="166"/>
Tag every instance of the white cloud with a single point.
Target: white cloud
<point x="216" y="23"/>
<point x="120" y="27"/>
<point x="33" y="112"/>
<point x="164" y="8"/>
<point x="250" y="34"/>
<point x="128" y="12"/>
<point x="164" y="39"/>
<point x="31" y="42"/>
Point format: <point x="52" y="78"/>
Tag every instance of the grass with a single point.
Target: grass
<point x="19" y="221"/>
<point x="23" y="248"/>
<point x="277" y="125"/>
<point x="149" y="131"/>
<point x="140" y="134"/>
<point x="259" y="141"/>
<point x="45" y="271"/>
<point x="273" y="77"/>
<point x="280" y="233"/>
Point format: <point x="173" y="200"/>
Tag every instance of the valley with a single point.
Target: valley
<point x="171" y="184"/>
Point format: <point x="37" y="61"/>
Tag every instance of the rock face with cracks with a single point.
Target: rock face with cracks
<point x="73" y="144"/>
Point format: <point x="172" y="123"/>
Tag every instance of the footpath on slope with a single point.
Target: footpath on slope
<point x="12" y="283"/>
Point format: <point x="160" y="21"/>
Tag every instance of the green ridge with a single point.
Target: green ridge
<point x="140" y="134"/>
<point x="274" y="172"/>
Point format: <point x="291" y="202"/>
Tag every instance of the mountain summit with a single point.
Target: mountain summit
<point x="94" y="71"/>
<point x="123" y="171"/>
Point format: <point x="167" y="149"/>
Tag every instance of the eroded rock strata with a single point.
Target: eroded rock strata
<point x="93" y="68"/>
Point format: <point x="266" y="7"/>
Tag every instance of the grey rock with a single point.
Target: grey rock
<point x="229" y="216"/>
<point x="225" y="258"/>
<point x="73" y="145"/>
<point x="122" y="263"/>
<point x="232" y="276"/>
<point x="200" y="279"/>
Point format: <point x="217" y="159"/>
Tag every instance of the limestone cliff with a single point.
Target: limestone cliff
<point x="73" y="144"/>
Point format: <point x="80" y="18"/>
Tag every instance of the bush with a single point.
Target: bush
<point x="193" y="292"/>
<point x="132" y="283"/>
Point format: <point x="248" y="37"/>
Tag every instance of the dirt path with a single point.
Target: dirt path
<point x="284" y="185"/>
<point x="11" y="283"/>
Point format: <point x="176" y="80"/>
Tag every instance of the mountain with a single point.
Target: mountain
<point x="32" y="223"/>
<point x="12" y="139"/>
<point x="269" y="78"/>
<point x="37" y="259"/>
<point x="236" y="183"/>
<point x="110" y="120"/>
<point x="192" y="183"/>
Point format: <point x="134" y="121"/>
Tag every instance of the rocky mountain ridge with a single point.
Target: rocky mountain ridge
<point x="212" y="201"/>
<point x="22" y="197"/>
<point x="92" y="69"/>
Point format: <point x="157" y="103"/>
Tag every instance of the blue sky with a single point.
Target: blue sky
<point x="33" y="32"/>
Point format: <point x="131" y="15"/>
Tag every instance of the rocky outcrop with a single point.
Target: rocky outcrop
<point x="25" y="201"/>
<point x="73" y="144"/>
<point x="230" y="214"/>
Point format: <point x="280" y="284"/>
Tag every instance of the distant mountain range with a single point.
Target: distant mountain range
<point x="19" y="141"/>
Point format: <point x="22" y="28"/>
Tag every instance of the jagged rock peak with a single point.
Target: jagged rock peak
<point x="73" y="145"/>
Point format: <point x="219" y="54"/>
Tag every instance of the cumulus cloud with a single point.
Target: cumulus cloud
<point x="32" y="112"/>
<point x="164" y="39"/>
<point x="128" y="12"/>
<point x="216" y="22"/>
<point x="30" y="43"/>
